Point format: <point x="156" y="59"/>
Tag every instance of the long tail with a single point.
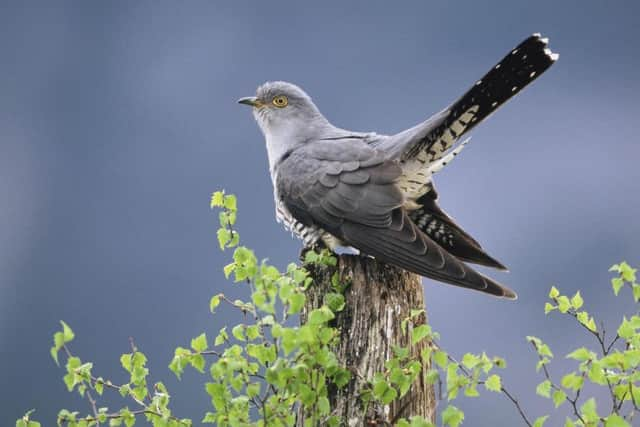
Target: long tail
<point x="525" y="63"/>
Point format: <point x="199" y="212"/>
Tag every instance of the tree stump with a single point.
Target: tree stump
<point x="378" y="298"/>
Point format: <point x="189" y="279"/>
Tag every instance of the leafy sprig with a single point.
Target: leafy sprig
<point x="262" y="371"/>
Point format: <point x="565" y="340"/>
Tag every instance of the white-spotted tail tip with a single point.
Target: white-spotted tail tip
<point x="554" y="56"/>
<point x="545" y="40"/>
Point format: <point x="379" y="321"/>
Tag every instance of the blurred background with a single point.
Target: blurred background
<point x="118" y="119"/>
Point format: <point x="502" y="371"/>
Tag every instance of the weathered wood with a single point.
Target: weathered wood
<point x="378" y="299"/>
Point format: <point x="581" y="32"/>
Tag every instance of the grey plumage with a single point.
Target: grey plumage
<point x="375" y="192"/>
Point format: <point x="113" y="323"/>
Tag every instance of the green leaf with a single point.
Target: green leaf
<point x="217" y="199"/>
<point x="628" y="274"/>
<point x="636" y="292"/>
<point x="224" y="236"/>
<point x="253" y="332"/>
<point x="222" y="337"/>
<point x="334" y="301"/>
<point x="320" y="315"/>
<point x="615" y="420"/>
<point x="588" y="410"/>
<point x="544" y="388"/>
<point x="493" y="383"/>
<point x="415" y="312"/>
<point x="299" y="275"/>
<point x="470" y="360"/>
<point x="125" y="361"/>
<point x="310" y="257"/>
<point x="419" y="333"/>
<point x="617" y="283"/>
<point x="499" y="362"/>
<point x="25" y="421"/>
<point x="554" y="293"/>
<point x="563" y="304"/>
<point x="471" y="391"/>
<point x="452" y="416"/>
<point x="548" y="307"/>
<point x="323" y="405"/>
<point x="572" y="381"/>
<point x="597" y="374"/>
<point x="238" y="332"/>
<point x="214" y="302"/>
<point x="253" y="389"/>
<point x="419" y="421"/>
<point x="230" y="202"/>
<point x="389" y="395"/>
<point x="577" y="301"/>
<point x="581" y="354"/>
<point x="296" y="302"/>
<point x="199" y="343"/>
<point x="58" y="340"/>
<point x="544" y="350"/>
<point x="383" y="392"/>
<point x="626" y="330"/>
<point x="559" y="397"/>
<point x="587" y="321"/>
<point x="67" y="333"/>
<point x="54" y="354"/>
<point x="539" y="422"/>
<point x="198" y="362"/>
<point x="440" y="358"/>
<point x="400" y="352"/>
<point x="341" y="378"/>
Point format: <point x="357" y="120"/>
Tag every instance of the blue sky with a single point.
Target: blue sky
<point x="118" y="119"/>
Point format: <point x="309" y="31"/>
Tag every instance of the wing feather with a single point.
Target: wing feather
<point x="364" y="208"/>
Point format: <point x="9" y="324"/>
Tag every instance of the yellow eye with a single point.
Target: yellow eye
<point x="280" y="101"/>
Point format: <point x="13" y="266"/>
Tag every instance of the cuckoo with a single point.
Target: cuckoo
<point x="375" y="192"/>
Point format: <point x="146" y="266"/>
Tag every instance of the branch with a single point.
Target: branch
<point x="555" y="387"/>
<point x="510" y="396"/>
<point x="92" y="380"/>
<point x="93" y="407"/>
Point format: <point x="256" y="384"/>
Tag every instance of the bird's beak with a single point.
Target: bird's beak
<point x="250" y="100"/>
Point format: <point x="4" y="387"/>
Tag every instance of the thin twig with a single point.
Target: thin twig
<point x="134" y="350"/>
<point x="93" y="381"/>
<point x="515" y="402"/>
<point x="617" y="337"/>
<point x="118" y="415"/>
<point x="555" y="387"/>
<point x="92" y="401"/>
<point x="510" y="396"/>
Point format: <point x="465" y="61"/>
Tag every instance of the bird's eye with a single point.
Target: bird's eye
<point x="280" y="101"/>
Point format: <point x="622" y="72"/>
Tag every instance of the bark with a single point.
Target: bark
<point x="378" y="299"/>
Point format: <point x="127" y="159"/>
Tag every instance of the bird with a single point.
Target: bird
<point x="375" y="192"/>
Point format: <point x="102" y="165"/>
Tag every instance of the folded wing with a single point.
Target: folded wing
<point x="359" y="202"/>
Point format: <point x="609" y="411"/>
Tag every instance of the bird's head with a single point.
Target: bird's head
<point x="283" y="109"/>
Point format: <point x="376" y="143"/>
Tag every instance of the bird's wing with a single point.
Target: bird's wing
<point x="425" y="143"/>
<point x="438" y="225"/>
<point x="348" y="189"/>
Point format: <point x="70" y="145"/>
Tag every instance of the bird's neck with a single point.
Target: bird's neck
<point x="278" y="145"/>
<point x="282" y="141"/>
